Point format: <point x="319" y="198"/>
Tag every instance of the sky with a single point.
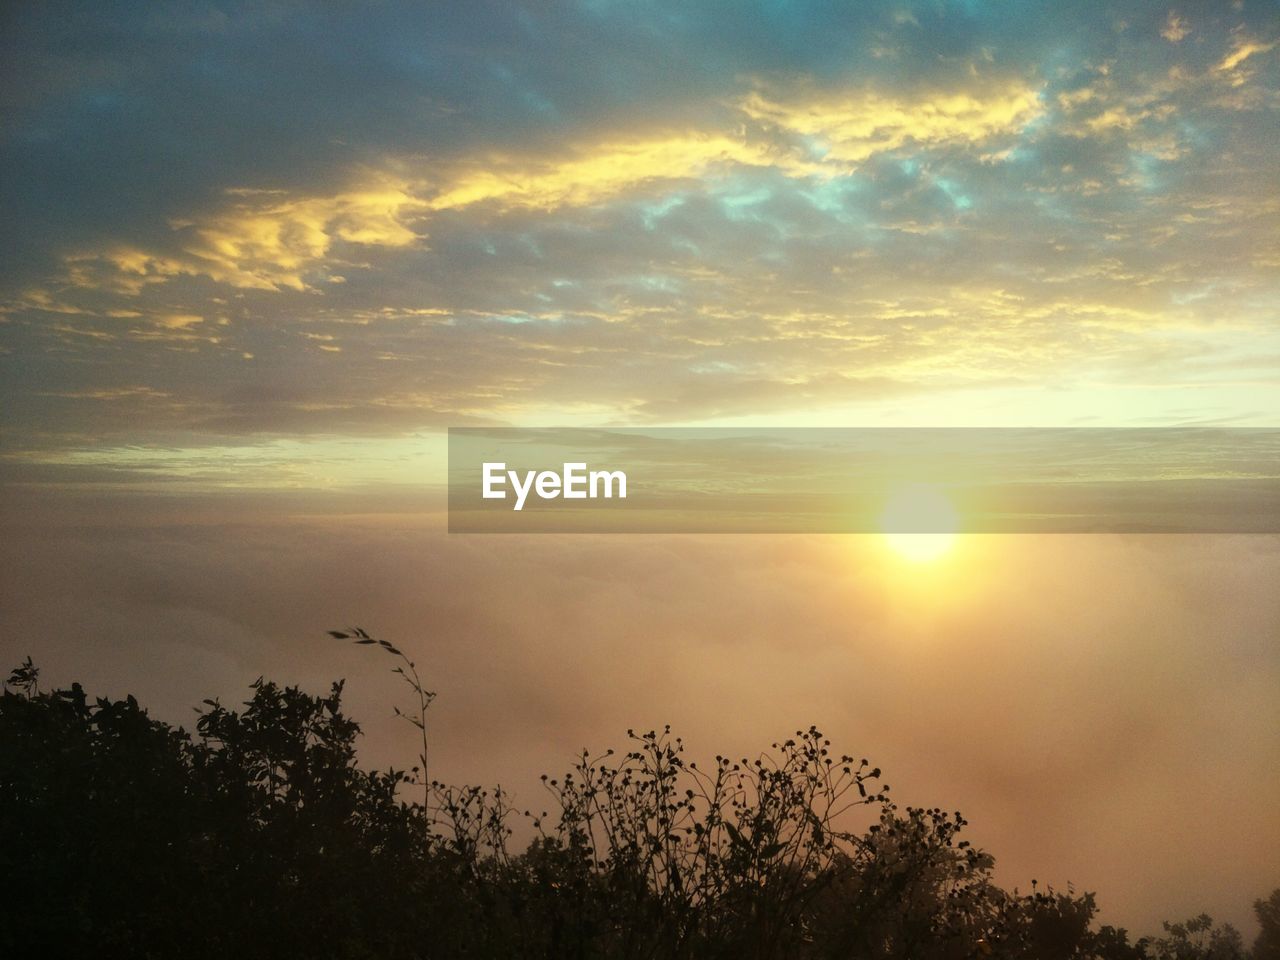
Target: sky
<point x="258" y="257"/>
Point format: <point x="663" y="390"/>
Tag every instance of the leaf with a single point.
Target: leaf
<point x="734" y="835"/>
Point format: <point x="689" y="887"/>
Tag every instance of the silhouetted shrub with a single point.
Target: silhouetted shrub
<point x="259" y="836"/>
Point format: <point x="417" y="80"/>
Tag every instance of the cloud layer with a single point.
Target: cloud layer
<point x="242" y="224"/>
<point x="1103" y="709"/>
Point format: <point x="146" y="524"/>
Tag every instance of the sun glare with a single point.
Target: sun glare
<point x="919" y="523"/>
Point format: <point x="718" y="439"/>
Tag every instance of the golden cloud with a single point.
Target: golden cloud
<point x="854" y="125"/>
<point x="600" y="172"/>
<point x="1175" y="28"/>
<point x="1243" y="49"/>
<point x="265" y="239"/>
<point x="267" y="242"/>
<point x="110" y="394"/>
<point x="272" y="240"/>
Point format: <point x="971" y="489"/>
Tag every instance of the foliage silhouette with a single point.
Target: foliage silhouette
<point x="1267" y="945"/>
<point x="258" y="835"/>
<point x="407" y="670"/>
<point x="1199" y="939"/>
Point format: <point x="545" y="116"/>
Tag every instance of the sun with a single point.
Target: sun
<point x="919" y="523"/>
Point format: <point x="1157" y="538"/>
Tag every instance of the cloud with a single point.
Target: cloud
<point x="264" y="240"/>
<point x="1051" y="688"/>
<point x="1175" y="28"/>
<point x="851" y="126"/>
<point x="599" y="173"/>
<point x="269" y="239"/>
<point x="789" y="230"/>
<point x="268" y="242"/>
<point x="1242" y="49"/>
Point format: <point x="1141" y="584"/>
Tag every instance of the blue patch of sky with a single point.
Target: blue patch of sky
<point x="714" y="366"/>
<point x="833" y="197"/>
<point x="651" y="213"/>
<point x="515" y="319"/>
<point x="959" y="199"/>
<point x="1193" y="136"/>
<point x="1043" y="120"/>
<point x="1146" y="167"/>
<point x="1191" y="296"/>
<point x="955" y="192"/>
<point x="1056" y="207"/>
<point x="817" y="147"/>
<point x="656" y="282"/>
<point x="539" y="103"/>
<point x="738" y="204"/>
